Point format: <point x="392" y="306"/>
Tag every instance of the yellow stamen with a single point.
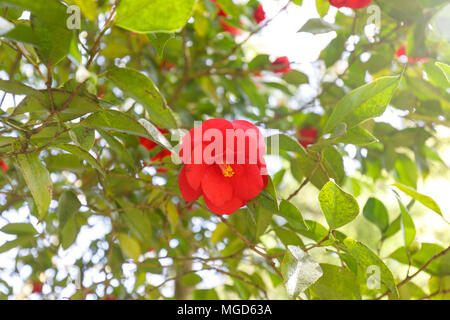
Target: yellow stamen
<point x="227" y="170"/>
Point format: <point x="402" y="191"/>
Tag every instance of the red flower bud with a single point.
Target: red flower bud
<point x="259" y="14"/>
<point x="353" y="4"/>
<point x="37" y="287"/>
<point x="307" y="136"/>
<point x="4" y="166"/>
<point x="282" y="64"/>
<point x="166" y="65"/>
<point x="223" y="162"/>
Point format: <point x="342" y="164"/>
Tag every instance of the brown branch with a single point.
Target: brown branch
<point x="307" y="179"/>
<point x="407" y="279"/>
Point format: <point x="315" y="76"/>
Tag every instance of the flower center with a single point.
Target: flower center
<point x="227" y="170"/>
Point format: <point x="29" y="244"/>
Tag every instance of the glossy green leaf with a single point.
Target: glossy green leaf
<point x="154" y="15"/>
<point x="376" y="212"/>
<point x="424" y="199"/>
<point x="142" y="89"/>
<point x="38" y="180"/>
<point x="363" y="103"/>
<point x="366" y="258"/>
<point x="338" y="206"/>
<point x="130" y="246"/>
<point x="336" y="283"/>
<point x="20" y="229"/>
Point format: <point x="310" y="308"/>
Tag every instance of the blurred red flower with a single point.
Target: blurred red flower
<point x="401" y="51"/>
<point x="150" y="145"/>
<point x="283" y="63"/>
<point x="37" y="287"/>
<point x="307" y="136"/>
<point x="259" y="14"/>
<point x="353" y="4"/>
<point x="4" y="166"/>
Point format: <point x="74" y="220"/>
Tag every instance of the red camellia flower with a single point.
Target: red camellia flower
<point x="259" y="14"/>
<point x="4" y="166"/>
<point x="37" y="287"/>
<point x="223" y="161"/>
<point x="353" y="4"/>
<point x="307" y="136"/>
<point x="150" y="145"/>
<point x="402" y="52"/>
<point x="283" y="63"/>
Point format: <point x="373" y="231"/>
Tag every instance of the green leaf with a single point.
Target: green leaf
<point x="289" y="237"/>
<point x="338" y="206"/>
<point x="38" y="180"/>
<point x="48" y="20"/>
<point x="283" y="142"/>
<point x="295" y="77"/>
<point x="68" y="205"/>
<point x="376" y="212"/>
<point x="22" y="241"/>
<point x="80" y="105"/>
<point x="69" y="232"/>
<point x="159" y="40"/>
<point x="336" y="283"/>
<point x="83" y="137"/>
<point x="191" y="280"/>
<point x="317" y="26"/>
<point x="425" y="200"/>
<point x="445" y="69"/>
<point x="299" y="271"/>
<point x="322" y="7"/>
<point x="292" y="215"/>
<point x="115" y="121"/>
<point x="137" y="221"/>
<point x="363" y="103"/>
<point x="16" y="87"/>
<point x="153" y="15"/>
<point x="172" y="215"/>
<point x="118" y="148"/>
<point x="19" y="229"/>
<point x="82" y="154"/>
<point x="365" y="258"/>
<point x="130" y="246"/>
<point x="142" y="89"/>
<point x="407" y="225"/>
<point x="438" y="267"/>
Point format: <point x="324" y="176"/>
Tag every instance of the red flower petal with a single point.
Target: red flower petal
<point x="4" y="166"/>
<point x="233" y="30"/>
<point x="284" y="61"/>
<point x="217" y="187"/>
<point x="186" y="190"/>
<point x="147" y="143"/>
<point x="247" y="181"/>
<point x="194" y="174"/>
<point x="259" y="142"/>
<point x="307" y="136"/>
<point x="229" y="207"/>
<point x="161" y="155"/>
<point x="259" y="14"/>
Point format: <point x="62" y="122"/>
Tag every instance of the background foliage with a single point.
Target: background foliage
<point x="85" y="213"/>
